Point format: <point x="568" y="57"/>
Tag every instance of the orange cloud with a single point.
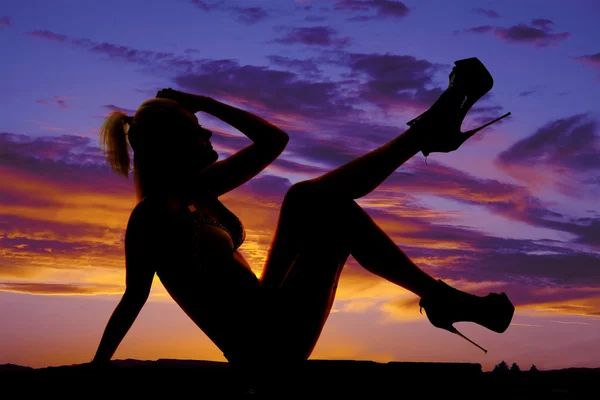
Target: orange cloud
<point x="58" y="288"/>
<point x="586" y="307"/>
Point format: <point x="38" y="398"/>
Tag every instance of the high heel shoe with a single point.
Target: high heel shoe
<point x="468" y="82"/>
<point x="446" y="306"/>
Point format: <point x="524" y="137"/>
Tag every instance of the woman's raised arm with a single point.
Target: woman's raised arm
<point x="268" y="142"/>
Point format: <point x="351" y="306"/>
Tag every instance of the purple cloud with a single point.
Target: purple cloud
<point x="47" y="35"/>
<point x="567" y="270"/>
<point x="315" y="18"/>
<point x="570" y="145"/>
<point x="543" y="24"/>
<point x="6" y="21"/>
<point x="540" y="37"/>
<point x="539" y="33"/>
<point x="526" y="93"/>
<point x="478" y="257"/>
<point x="591" y="60"/>
<point x="269" y="186"/>
<point x="486" y="12"/>
<point x="382" y="80"/>
<point x="115" y="52"/>
<point x="511" y="201"/>
<point x="508" y="200"/>
<point x="201" y="5"/>
<point x="385" y="80"/>
<point x="314" y="36"/>
<point x="124" y="52"/>
<point x="250" y="15"/>
<point x="477" y="30"/>
<point x="586" y="231"/>
<point x="292" y="167"/>
<point x="377" y="9"/>
<point x="53" y="156"/>
<point x="279" y="91"/>
<point x="307" y="67"/>
<point x="390" y="80"/>
<point x="61" y="102"/>
<point x="112" y="107"/>
<point x="562" y="156"/>
<point x="245" y="15"/>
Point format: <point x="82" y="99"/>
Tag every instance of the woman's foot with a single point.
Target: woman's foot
<point x="446" y="305"/>
<point x="468" y="82"/>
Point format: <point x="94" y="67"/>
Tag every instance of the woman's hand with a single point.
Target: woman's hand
<point x="190" y="102"/>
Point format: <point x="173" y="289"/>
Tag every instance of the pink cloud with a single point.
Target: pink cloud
<point x="47" y="35"/>
<point x="591" y="60"/>
<point x="373" y="9"/>
<point x="314" y="36"/>
<point x="539" y="33"/>
<point x="6" y="21"/>
<point x="60" y="102"/>
<point x="563" y="153"/>
<point x="486" y="12"/>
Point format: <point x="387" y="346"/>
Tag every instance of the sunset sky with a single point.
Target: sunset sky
<point x="514" y="210"/>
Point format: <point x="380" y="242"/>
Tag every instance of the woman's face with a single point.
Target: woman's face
<point x="198" y="149"/>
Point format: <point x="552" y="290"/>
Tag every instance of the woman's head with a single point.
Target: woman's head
<point x="169" y="146"/>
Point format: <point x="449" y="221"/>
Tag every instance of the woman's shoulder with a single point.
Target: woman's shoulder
<point x="148" y="215"/>
<point x="145" y="208"/>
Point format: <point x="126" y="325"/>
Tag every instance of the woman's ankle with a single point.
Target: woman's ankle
<point x="429" y="288"/>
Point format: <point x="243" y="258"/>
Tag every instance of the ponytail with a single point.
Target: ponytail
<point x="113" y="140"/>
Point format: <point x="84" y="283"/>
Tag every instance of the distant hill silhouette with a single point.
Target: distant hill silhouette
<point x="366" y="379"/>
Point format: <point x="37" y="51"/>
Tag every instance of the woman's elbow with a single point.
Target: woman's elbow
<point x="281" y="142"/>
<point x="274" y="147"/>
<point x="285" y="139"/>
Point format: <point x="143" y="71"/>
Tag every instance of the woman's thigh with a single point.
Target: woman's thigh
<point x="298" y="311"/>
<point x="310" y="246"/>
<point x="226" y="303"/>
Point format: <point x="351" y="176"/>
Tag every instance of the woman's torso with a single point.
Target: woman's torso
<point x="199" y="265"/>
<point x="194" y="231"/>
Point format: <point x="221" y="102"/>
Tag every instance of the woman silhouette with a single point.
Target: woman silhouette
<point x="183" y="233"/>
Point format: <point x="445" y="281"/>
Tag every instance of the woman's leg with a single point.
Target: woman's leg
<point x="364" y="174"/>
<point x="305" y="297"/>
<point x="347" y="182"/>
<point x="319" y="227"/>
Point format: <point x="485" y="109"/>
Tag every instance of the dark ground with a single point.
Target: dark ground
<point x="174" y="379"/>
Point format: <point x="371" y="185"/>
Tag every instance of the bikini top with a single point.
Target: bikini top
<point x="186" y="224"/>
<point x="228" y="221"/>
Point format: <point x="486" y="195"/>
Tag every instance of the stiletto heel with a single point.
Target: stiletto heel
<point x="468" y="82"/>
<point x="455" y="331"/>
<point x="474" y="131"/>
<point x="445" y="306"/>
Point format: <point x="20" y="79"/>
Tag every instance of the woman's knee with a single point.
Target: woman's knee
<point x="306" y="206"/>
<point x="302" y="191"/>
<point x="302" y="195"/>
<point x="311" y="195"/>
